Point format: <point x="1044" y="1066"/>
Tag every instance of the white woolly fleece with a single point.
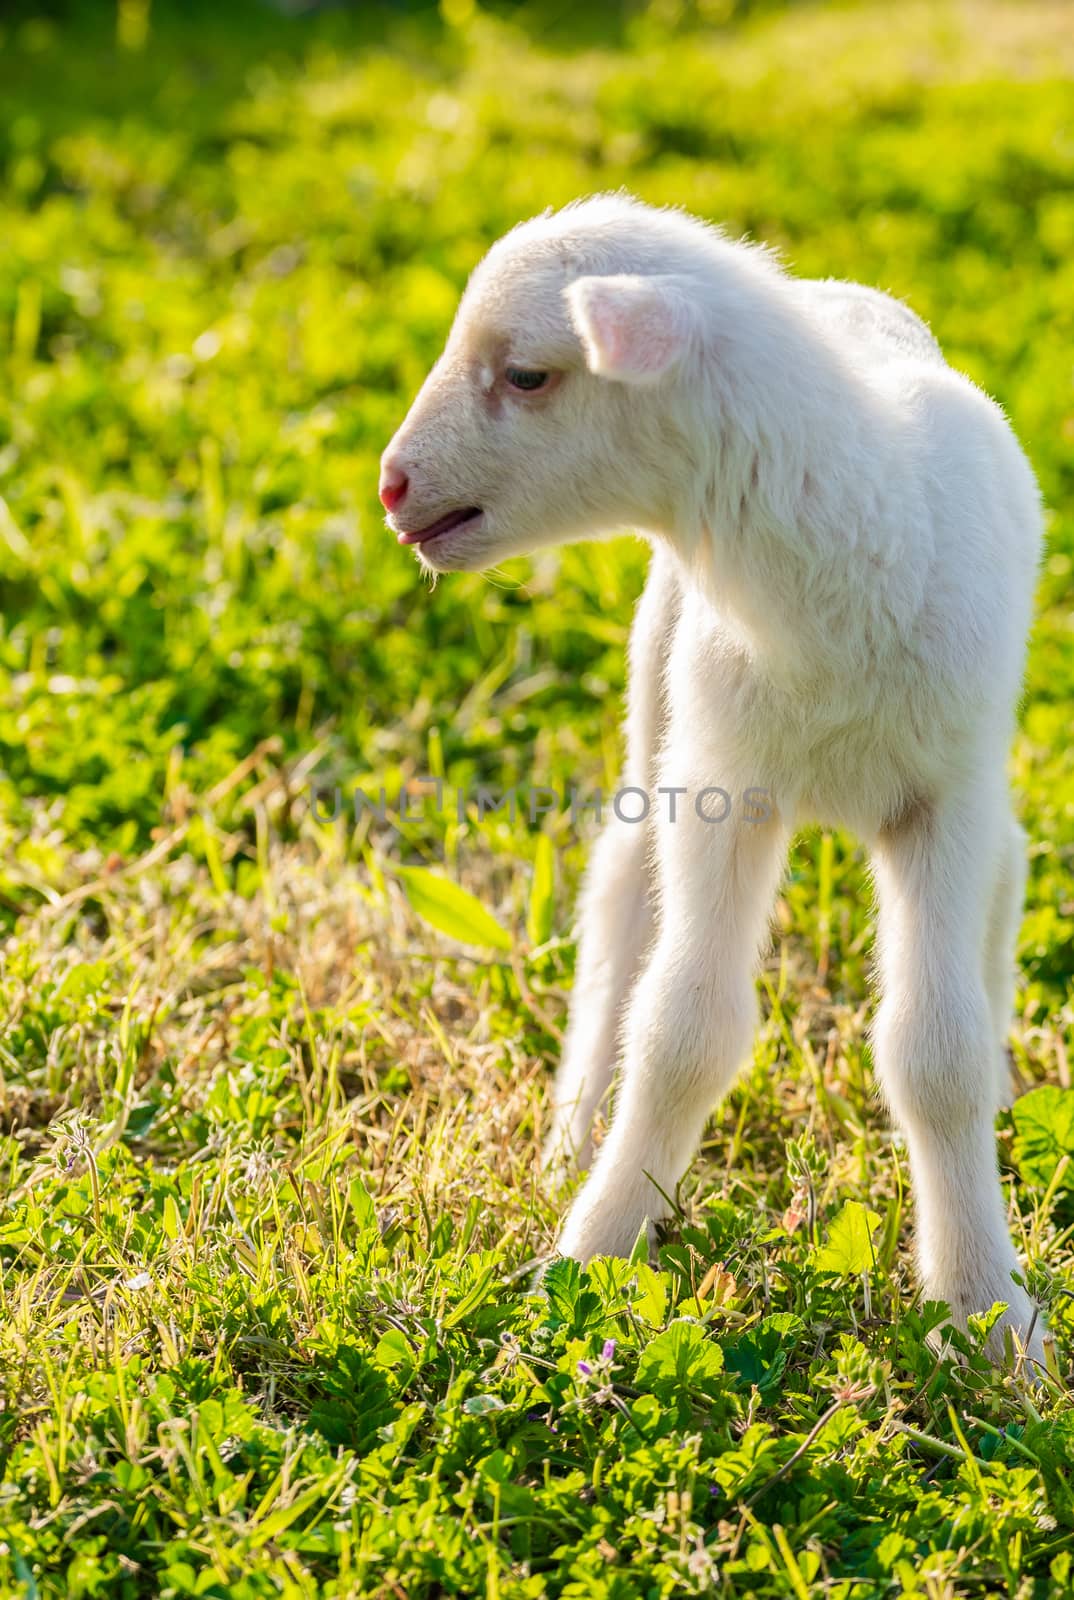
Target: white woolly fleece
<point x="846" y="537"/>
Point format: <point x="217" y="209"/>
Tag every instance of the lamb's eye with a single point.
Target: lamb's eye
<point x="526" y="378"/>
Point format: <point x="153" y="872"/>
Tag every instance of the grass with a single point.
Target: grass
<point x="270" y="1195"/>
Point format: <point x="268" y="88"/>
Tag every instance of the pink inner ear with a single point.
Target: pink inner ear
<point x="653" y="344"/>
<point x="609" y="331"/>
<point x="631" y="327"/>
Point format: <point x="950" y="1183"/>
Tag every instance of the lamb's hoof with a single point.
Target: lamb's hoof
<point x="1019" y="1340"/>
<point x="585" y="1237"/>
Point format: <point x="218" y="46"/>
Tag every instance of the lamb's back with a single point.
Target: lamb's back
<point x="872" y="318"/>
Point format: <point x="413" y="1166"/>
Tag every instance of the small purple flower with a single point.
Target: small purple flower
<point x="608" y="1353"/>
<point x="585" y="1369"/>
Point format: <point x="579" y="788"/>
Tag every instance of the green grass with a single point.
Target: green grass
<point x="268" y="1138"/>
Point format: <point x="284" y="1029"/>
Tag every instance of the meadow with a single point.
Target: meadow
<point x="273" y="1082"/>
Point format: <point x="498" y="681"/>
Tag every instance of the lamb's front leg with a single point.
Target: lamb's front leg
<point x="616" y="918"/>
<point x="616" y="925"/>
<point x="936" y="1050"/>
<point x="691" y="1020"/>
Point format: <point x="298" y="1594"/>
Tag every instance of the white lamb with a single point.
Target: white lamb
<point x="845" y="538"/>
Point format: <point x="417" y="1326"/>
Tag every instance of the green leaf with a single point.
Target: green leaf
<point x="1043" y="1132"/>
<point x="451" y="909"/>
<point x="393" y="1350"/>
<point x="639" y="1253"/>
<point x="361" y="1205"/>
<point x="479" y="1405"/>
<point x="171" y="1221"/>
<point x="398" y="1432"/>
<point x="561" y="1283"/>
<point x="542" y="893"/>
<point x="477" y="1277"/>
<point x="760" y="1355"/>
<point x="679" y="1358"/>
<point x="651" y="1297"/>
<point x="82" y="980"/>
<point x="849" y="1250"/>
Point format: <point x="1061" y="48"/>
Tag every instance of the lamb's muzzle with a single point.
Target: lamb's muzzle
<point x="393" y="486"/>
<point x="434" y="530"/>
<point x="845" y="541"/>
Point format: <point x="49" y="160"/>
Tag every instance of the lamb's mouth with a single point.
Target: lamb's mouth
<point x="444" y="524"/>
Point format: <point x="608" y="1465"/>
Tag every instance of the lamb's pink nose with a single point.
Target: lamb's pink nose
<point x="394" y="484"/>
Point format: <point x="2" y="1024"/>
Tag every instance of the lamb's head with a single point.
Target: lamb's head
<point x="550" y="414"/>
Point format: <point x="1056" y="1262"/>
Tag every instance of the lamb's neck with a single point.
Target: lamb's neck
<point x="767" y="522"/>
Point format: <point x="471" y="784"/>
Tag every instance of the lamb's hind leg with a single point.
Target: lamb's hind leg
<point x="1004" y="920"/>
<point x="616" y="919"/>
<point x="936" y="1047"/>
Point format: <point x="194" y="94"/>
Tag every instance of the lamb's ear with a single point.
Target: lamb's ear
<point x="632" y="329"/>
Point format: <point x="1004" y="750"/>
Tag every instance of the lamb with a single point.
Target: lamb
<point x="845" y="536"/>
